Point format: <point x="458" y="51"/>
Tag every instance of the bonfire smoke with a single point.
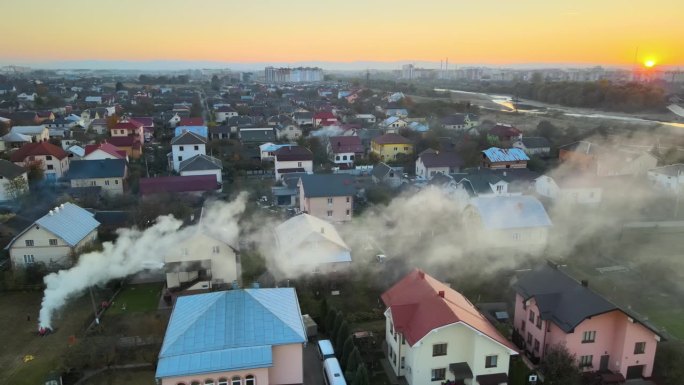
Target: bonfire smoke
<point x="134" y="251"/>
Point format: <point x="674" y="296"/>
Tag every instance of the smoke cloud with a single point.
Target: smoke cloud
<point x="136" y="250"/>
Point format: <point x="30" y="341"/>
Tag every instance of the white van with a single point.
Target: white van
<point x="325" y="349"/>
<point x="333" y="372"/>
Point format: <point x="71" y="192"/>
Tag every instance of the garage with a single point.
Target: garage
<point x="634" y="371"/>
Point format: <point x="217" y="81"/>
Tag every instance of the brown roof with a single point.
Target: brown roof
<point x="178" y="184"/>
<point x="391" y="139"/>
<point x="290" y="153"/>
<point x="340" y="144"/>
<point x="34" y="149"/>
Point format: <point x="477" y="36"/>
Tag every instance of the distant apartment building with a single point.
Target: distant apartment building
<point x="293" y="75"/>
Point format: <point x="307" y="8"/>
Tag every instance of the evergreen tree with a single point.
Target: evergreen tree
<point x="341" y="336"/>
<point x="361" y="377"/>
<point x="346" y="350"/>
<point x="354" y="360"/>
<point x="330" y="320"/>
<point x="339" y="317"/>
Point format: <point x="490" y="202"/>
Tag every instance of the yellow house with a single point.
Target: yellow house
<point x="388" y="146"/>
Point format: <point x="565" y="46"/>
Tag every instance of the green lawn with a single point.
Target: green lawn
<point x="137" y="298"/>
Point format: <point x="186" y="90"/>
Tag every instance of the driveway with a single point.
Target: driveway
<point x="313" y="367"/>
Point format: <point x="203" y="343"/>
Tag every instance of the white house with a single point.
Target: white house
<point x="185" y="146"/>
<point x="570" y="189"/>
<point x="200" y="262"/>
<point x="292" y="159"/>
<point x="306" y="244"/>
<point x="393" y="123"/>
<point x="174" y="120"/>
<point x="434" y="334"/>
<point x="13" y="181"/>
<point x="533" y="145"/>
<point x="54" y="238"/>
<point x="37" y="133"/>
<point x="368" y="118"/>
<point x="223" y="113"/>
<point x="669" y="178"/>
<point x="510" y="222"/>
<point x="432" y="162"/>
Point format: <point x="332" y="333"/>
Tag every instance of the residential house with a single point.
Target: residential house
<point x="13" y="181"/>
<point x="306" y="244"/>
<point x="245" y="336"/>
<point x="534" y="145"/>
<point x="219" y="133"/>
<point x="202" y="165"/>
<point x="54" y="238"/>
<point x="394" y="110"/>
<point x="129" y="127"/>
<point x="384" y="174"/>
<point x="25" y="118"/>
<point x="487" y="182"/>
<point x="37" y="133"/>
<point x="267" y="150"/>
<point x="256" y="136"/>
<point x="103" y="150"/>
<point x="344" y="150"/>
<point x="201" y="261"/>
<point x="388" y="146"/>
<point x="435" y="335"/>
<point x="13" y="140"/>
<point x="199" y="130"/>
<point x="99" y="126"/>
<point x="127" y="144"/>
<point x="324" y="118"/>
<point x="194" y="185"/>
<point x="52" y="159"/>
<point x="287" y="193"/>
<point x="552" y="308"/>
<point x="288" y="131"/>
<point x="505" y="133"/>
<point x="432" y="162"/>
<point x="668" y="178"/>
<point x="186" y="146"/>
<point x="460" y="122"/>
<point x="304" y="118"/>
<point x="511" y="222"/>
<point x="27" y="97"/>
<point x="366" y="118"/>
<point x="192" y="122"/>
<point x="327" y="196"/>
<point x="107" y="174"/>
<point x="148" y="126"/>
<point x="393" y="124"/>
<point x="570" y="188"/>
<point x="292" y="159"/>
<point x="497" y="158"/>
<point x="223" y="113"/>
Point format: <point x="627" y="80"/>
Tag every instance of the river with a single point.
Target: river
<point x="532" y="107"/>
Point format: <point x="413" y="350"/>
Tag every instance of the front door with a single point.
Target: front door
<point x="604" y="363"/>
<point x="634" y="371"/>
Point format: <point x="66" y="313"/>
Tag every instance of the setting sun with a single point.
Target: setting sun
<point x="649" y="63"/>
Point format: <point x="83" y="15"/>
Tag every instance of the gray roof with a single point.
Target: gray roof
<point x="261" y="135"/>
<point x="10" y="170"/>
<point x="511" y="212"/>
<point x="480" y="180"/>
<point x="381" y="170"/>
<point x="433" y="158"/>
<point x="200" y="162"/>
<point x="563" y="300"/>
<point x="188" y="137"/>
<point x="328" y="185"/>
<point x="101" y="168"/>
<point x="536" y="142"/>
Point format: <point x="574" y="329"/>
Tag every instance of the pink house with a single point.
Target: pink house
<point x="552" y="308"/>
<point x="327" y="196"/>
<point x="236" y="337"/>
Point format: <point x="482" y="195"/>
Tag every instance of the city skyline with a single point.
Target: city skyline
<point x="344" y="33"/>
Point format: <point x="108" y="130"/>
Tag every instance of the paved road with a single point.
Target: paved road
<point x="313" y="367"/>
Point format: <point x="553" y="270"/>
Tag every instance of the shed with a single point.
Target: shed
<point x="310" y="325"/>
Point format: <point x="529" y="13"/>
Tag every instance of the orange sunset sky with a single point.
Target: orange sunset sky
<point x="494" y="32"/>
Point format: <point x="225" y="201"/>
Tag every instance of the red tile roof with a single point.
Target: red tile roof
<point x="419" y="304"/>
<point x="128" y="125"/>
<point x="504" y="131"/>
<point x="340" y="144"/>
<point x="290" y="153"/>
<point x="391" y="139"/>
<point x="124" y="141"/>
<point x="325" y="115"/>
<point x="191" y="122"/>
<point x="145" y="121"/>
<point x="106" y="147"/>
<point x="36" y="149"/>
<point x="178" y="184"/>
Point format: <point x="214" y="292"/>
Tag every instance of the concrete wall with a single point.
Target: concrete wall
<point x="288" y="365"/>
<point x="110" y="186"/>
<point x="261" y="375"/>
<point x="185" y="152"/>
<point x="217" y="173"/>
<point x="341" y="208"/>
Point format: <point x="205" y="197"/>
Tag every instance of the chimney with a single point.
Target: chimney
<point x="585" y="283"/>
<point x="441" y="293"/>
<point x="51" y="213"/>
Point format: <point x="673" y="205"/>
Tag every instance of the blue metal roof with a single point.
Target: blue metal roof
<point x="229" y="330"/>
<point x="509" y="212"/>
<point x="69" y="222"/>
<point x="199" y="130"/>
<point x="495" y="154"/>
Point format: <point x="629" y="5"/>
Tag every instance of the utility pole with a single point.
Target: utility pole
<point x="92" y="299"/>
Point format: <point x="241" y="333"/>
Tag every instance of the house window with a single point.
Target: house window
<point x="53" y="242"/>
<point x="395" y="148"/>
<point x="529" y="338"/>
<point x="536" y="345"/>
<point x="405" y="148"/>
<point x="196" y="148"/>
<point x="208" y="381"/>
<point x="236" y="380"/>
<point x="640" y="348"/>
<point x="344" y="157"/>
<point x="48" y="157"/>
<point x="29" y="242"/>
<point x="588" y="337"/>
<point x="116" y="181"/>
<point x="539" y="322"/>
<point x="222" y="381"/>
<point x="330" y="213"/>
<point x="351" y="157"/>
<point x="586" y="361"/>
<point x="299" y="164"/>
<point x="180" y="158"/>
<point x="215" y="249"/>
<point x="28" y="259"/>
<point x="348" y="212"/>
<point x="93" y="183"/>
<point x="50" y="167"/>
<point x="250" y="380"/>
<point x="337" y="157"/>
<point x="180" y="148"/>
<point x="403" y="362"/>
<point x="330" y="201"/>
<point x="106" y="182"/>
<point x="531" y="316"/>
<point x="438" y="374"/>
<point x="439" y="350"/>
<point x="522" y="327"/>
<point x="491" y="361"/>
<point x="499" y="188"/>
<point x="516" y="236"/>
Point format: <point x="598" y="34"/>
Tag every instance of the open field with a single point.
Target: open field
<point x="19" y="336"/>
<point x="137" y="298"/>
<point x="123" y="377"/>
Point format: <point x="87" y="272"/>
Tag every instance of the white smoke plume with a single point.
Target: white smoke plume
<point x="135" y="250"/>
